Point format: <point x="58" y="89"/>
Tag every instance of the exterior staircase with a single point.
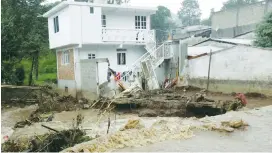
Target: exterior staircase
<point x="145" y="66"/>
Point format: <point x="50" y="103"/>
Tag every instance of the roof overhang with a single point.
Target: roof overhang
<point x="62" y="5"/>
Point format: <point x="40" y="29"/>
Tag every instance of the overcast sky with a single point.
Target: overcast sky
<point x="174" y="5"/>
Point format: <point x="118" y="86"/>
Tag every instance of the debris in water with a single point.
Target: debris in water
<point x="133" y="124"/>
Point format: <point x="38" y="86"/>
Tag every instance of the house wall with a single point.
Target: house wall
<point x="239" y="20"/>
<point x="123" y="20"/>
<point x="109" y="51"/>
<point x="78" y="26"/>
<point x="61" y="38"/>
<point x="66" y="73"/>
<point x="238" y="64"/>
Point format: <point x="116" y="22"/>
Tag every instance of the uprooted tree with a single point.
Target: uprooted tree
<point x="264" y="32"/>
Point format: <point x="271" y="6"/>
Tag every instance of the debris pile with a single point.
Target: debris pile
<point x="51" y="102"/>
<point x="50" y="142"/>
<point x="171" y="102"/>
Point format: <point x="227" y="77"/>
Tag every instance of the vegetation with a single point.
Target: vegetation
<point x="189" y="13"/>
<point x="208" y="22"/>
<point x="264" y="32"/>
<point x="162" y="23"/>
<point x="236" y="3"/>
<point x="24" y="39"/>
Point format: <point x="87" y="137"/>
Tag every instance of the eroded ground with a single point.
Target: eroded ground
<point x="258" y="133"/>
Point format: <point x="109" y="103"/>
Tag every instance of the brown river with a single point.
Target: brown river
<point x="256" y="137"/>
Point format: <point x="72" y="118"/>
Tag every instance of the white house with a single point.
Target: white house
<point x="79" y="31"/>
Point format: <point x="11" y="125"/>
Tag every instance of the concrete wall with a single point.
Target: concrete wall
<point x="63" y="37"/>
<point x="233" y="22"/>
<point x="78" y="26"/>
<point x="238" y="63"/>
<point x="238" y="69"/>
<point x="109" y="51"/>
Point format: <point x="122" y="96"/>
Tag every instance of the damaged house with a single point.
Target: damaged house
<point x="90" y="37"/>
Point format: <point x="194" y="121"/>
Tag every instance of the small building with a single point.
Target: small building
<point x="230" y="23"/>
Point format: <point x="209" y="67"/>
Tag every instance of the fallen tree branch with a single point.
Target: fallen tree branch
<point x="49" y="128"/>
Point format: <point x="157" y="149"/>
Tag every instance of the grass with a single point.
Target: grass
<point x="47" y="69"/>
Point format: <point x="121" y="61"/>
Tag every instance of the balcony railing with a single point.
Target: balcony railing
<point x="127" y="35"/>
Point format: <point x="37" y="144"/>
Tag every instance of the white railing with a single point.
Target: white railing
<point x="127" y="35"/>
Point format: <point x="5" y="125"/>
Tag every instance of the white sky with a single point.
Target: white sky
<point x="174" y="5"/>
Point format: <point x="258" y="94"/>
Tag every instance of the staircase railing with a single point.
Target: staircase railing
<point x="153" y="55"/>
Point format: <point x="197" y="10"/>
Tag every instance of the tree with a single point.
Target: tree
<point x="189" y="12"/>
<point x="264" y="32"/>
<point x="208" y="21"/>
<point x="161" y="22"/>
<point x="236" y="3"/>
<point x="24" y="34"/>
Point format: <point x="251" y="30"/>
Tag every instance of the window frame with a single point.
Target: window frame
<point x="65" y="59"/>
<point x="121" y="58"/>
<point x="91" y="10"/>
<point x="140" y="22"/>
<point x="91" y="56"/>
<point x="104" y="21"/>
<point x="56" y="24"/>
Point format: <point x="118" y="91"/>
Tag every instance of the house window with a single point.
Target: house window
<point x="65" y="58"/>
<point x="121" y="58"/>
<point x="91" y="10"/>
<point x="140" y="22"/>
<point x="103" y="20"/>
<point x="56" y="24"/>
<point x="91" y="56"/>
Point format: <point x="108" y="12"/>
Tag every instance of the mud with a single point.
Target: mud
<point x="170" y="103"/>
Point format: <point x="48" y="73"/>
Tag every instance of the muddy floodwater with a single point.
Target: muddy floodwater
<point x="257" y="137"/>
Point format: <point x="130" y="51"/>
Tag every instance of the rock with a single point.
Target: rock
<point x="86" y="106"/>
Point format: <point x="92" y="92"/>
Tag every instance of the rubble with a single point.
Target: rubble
<point x="171" y="102"/>
<point x="51" y="102"/>
<point x="50" y="142"/>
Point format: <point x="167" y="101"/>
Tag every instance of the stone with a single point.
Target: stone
<point x="86" y="106"/>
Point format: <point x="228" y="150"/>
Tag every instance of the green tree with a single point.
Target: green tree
<point x="189" y="12"/>
<point x="236" y="3"/>
<point x="264" y="32"/>
<point x="24" y="34"/>
<point x="208" y="21"/>
<point x="162" y="23"/>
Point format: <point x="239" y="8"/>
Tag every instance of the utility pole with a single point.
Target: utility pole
<point x="208" y="83"/>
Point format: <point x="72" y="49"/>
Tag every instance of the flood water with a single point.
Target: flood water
<point x="257" y="137"/>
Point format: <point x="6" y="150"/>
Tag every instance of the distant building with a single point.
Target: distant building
<point x="192" y="31"/>
<point x="236" y="21"/>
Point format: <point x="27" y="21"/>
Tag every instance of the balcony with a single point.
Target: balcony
<point x="139" y="36"/>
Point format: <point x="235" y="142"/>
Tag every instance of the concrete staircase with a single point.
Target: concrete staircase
<point x="145" y="66"/>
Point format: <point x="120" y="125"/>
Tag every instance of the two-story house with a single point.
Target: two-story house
<point x="85" y="30"/>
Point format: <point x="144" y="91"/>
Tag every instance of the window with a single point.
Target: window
<point x="91" y="56"/>
<point x="65" y="58"/>
<point x="121" y="58"/>
<point x="91" y="10"/>
<point x="140" y="22"/>
<point x="56" y="24"/>
<point x="104" y="21"/>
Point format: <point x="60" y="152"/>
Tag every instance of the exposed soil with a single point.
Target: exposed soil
<point x="182" y="102"/>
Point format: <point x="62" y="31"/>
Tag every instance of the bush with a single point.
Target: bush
<point x="20" y="75"/>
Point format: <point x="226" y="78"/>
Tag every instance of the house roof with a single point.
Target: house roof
<point x="62" y="5"/>
<point x="232" y="41"/>
<point x="198" y="50"/>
